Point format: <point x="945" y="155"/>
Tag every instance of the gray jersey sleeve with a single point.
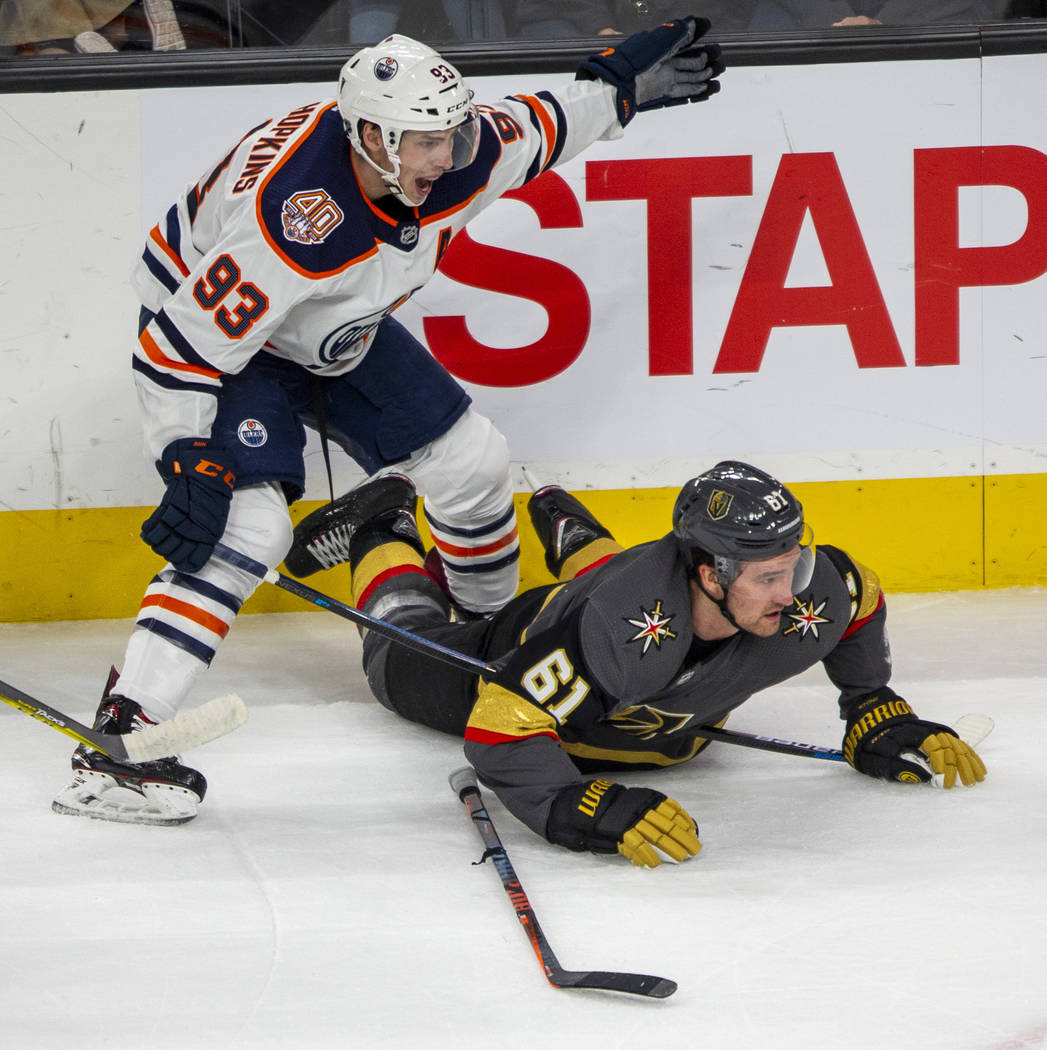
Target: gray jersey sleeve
<point x="525" y="775"/>
<point x="860" y="662"/>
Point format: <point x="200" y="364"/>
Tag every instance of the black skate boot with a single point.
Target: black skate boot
<point x="374" y="529"/>
<point x="321" y="539"/>
<point x="159" y="792"/>
<point x="568" y="532"/>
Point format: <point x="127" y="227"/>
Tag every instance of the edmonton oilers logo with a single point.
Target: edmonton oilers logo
<point x="385" y="68"/>
<point x="252" y="433"/>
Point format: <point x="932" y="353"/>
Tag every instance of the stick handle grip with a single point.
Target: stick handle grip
<point x="463" y="781"/>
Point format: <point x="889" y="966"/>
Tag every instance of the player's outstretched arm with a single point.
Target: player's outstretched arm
<point x="659" y="67"/>
<point x="885" y="739"/>
<point x="603" y="817"/>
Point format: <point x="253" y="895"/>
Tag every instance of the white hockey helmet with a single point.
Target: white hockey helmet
<point x="403" y="85"/>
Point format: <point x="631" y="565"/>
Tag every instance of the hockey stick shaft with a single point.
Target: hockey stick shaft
<point x="463" y="783"/>
<point x="972" y="728"/>
<point x="349" y="612"/>
<point x="463" y="662"/>
<point x="50" y="716"/>
<point x="770" y="743"/>
<point x="182" y="733"/>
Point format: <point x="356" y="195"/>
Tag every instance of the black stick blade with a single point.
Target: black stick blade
<point x="631" y="983"/>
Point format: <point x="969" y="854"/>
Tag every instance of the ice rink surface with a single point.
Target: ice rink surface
<point x="326" y="894"/>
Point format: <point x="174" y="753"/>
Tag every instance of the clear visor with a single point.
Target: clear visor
<point x="462" y="140"/>
<point x="804" y="569"/>
<point x="466" y="141"/>
<point x="728" y="569"/>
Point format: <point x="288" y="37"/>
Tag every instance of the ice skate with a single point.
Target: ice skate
<point x="321" y="539"/>
<point x="566" y="530"/>
<point x="160" y="792"/>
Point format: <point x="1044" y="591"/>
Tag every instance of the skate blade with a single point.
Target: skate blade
<point x="100" y="797"/>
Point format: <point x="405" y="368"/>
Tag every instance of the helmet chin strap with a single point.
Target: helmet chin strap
<point x="390" y="179"/>
<point x="394" y="187"/>
<point x="720" y="603"/>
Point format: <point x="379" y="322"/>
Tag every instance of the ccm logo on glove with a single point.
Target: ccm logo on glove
<point x="206" y="467"/>
<point x="191" y="517"/>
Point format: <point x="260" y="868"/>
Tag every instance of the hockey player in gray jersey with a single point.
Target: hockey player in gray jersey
<point x="618" y="666"/>
<point x="267" y="294"/>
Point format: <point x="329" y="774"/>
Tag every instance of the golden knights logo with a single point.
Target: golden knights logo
<point x="647" y="722"/>
<point x="309" y="216"/>
<point x="719" y="504"/>
<point x="653" y="628"/>
<point x="806" y="617"/>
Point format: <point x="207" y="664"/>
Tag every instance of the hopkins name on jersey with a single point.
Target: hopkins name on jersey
<point x="278" y="248"/>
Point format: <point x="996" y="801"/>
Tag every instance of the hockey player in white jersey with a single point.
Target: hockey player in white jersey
<point x="267" y="295"/>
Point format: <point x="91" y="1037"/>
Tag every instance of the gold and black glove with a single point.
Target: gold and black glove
<point x="604" y="817"/>
<point x="885" y="739"/>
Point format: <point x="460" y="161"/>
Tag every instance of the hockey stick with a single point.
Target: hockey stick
<point x="972" y="729"/>
<point x="421" y="644"/>
<point x="349" y="612"/>
<point x="185" y="731"/>
<point x="463" y="783"/>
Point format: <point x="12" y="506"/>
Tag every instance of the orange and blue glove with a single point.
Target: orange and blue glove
<point x="664" y="66"/>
